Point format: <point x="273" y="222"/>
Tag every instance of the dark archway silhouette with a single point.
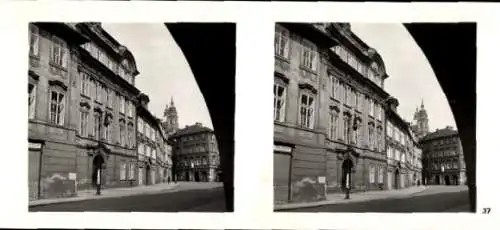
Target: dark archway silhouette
<point x="396" y="179"/>
<point x="347" y="166"/>
<point x="97" y="164"/>
<point x="215" y="76"/>
<point x="447" y="46"/>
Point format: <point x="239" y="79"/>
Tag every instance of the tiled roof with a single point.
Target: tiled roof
<point x="191" y="129"/>
<point x="440" y="133"/>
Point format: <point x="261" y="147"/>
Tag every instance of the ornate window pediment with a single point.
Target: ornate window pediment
<point x="58" y="83"/>
<point x="307" y="86"/>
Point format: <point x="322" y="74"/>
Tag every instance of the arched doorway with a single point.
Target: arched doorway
<point x="197" y="176"/>
<point x="447" y="180"/>
<point x="347" y="166"/>
<point x="436" y="180"/>
<point x="455" y="180"/>
<point x="148" y="172"/>
<point x="396" y="179"/>
<point x="97" y="169"/>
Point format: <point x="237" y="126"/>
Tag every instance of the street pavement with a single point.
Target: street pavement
<point x="432" y="199"/>
<point x="186" y="197"/>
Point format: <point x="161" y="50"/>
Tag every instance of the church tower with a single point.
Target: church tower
<point x="421" y="126"/>
<point x="171" y="124"/>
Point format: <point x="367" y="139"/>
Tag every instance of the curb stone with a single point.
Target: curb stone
<point x="77" y="198"/>
<point x="333" y="202"/>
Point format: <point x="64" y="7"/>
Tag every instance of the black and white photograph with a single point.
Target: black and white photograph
<point x="361" y="123"/>
<point x="119" y="118"/>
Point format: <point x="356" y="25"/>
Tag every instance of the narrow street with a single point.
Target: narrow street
<point x="434" y="199"/>
<point x="188" y="197"/>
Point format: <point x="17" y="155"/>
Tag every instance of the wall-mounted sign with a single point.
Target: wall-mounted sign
<point x="72" y="176"/>
<point x="281" y="148"/>
<point x="321" y="179"/>
<point x="34" y="145"/>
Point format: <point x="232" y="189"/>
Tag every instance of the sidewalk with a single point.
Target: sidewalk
<point x="108" y="193"/>
<point x="339" y="198"/>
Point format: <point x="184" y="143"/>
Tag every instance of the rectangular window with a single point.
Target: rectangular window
<point x="57" y="108"/>
<point x="307" y="111"/>
<point x="309" y="58"/>
<point x="58" y="55"/>
<point x="131" y="171"/>
<point x="381" y="175"/>
<point x="84" y="88"/>
<point x="281" y="42"/>
<point x="122" y="104"/>
<point x="140" y="127"/>
<point x="31" y="101"/>
<point x="130" y="109"/>
<point x="360" y="101"/>
<point x="153" y="154"/>
<point x="84" y="120"/>
<point x="140" y="148"/>
<point x="372" y="174"/>
<point x="131" y="135"/>
<point x="104" y="96"/>
<point x="372" y="107"/>
<point x="371" y="137"/>
<point x="279" y="102"/>
<point x="97" y="125"/>
<point x="346" y="95"/>
<point x="123" y="171"/>
<point x="122" y="133"/>
<point x="333" y="126"/>
<point x="109" y="98"/>
<point x="34" y="41"/>
<point x="347" y="128"/>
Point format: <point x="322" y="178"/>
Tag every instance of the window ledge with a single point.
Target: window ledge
<point x="282" y="58"/>
<point x="307" y="69"/>
<point x="57" y="66"/>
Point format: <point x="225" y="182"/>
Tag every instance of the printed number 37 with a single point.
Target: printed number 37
<point x="486" y="210"/>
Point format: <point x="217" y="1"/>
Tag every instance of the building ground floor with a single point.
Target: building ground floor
<point x="451" y="177"/>
<point x="200" y="174"/>
<point x="59" y="169"/>
<point x="305" y="173"/>
<point x="399" y="177"/>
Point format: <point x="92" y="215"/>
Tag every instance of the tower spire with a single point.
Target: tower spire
<point x="171" y="101"/>
<point x="422" y="105"/>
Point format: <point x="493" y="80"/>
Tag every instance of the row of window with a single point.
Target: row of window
<point x="58" y="50"/>
<point x="127" y="167"/>
<point x="101" y="128"/>
<point x="308" y="51"/>
<point x="146" y="129"/>
<point x="443" y="154"/>
<point x="352" y="130"/>
<point x="445" y="165"/>
<point x="198" y="161"/>
<point x="358" y="65"/>
<point x="57" y="104"/>
<point x="146" y="150"/>
<point x="104" y="58"/>
<point x="380" y="174"/>
<point x="100" y="93"/>
<point x="398" y="135"/>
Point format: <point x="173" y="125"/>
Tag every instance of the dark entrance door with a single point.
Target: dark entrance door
<point x="455" y="180"/>
<point x="447" y="180"/>
<point x="347" y="173"/>
<point x="97" y="170"/>
<point x="148" y="174"/>
<point x="187" y="176"/>
<point x="396" y="179"/>
<point x="197" y="176"/>
<point x="436" y="180"/>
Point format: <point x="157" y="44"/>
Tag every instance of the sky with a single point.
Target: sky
<point x="164" y="72"/>
<point x="411" y="78"/>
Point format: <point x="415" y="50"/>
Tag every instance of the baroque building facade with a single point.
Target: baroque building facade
<point x="443" y="159"/>
<point x="195" y="154"/>
<point x="154" y="161"/>
<point x="329" y="117"/>
<point x="82" y="101"/>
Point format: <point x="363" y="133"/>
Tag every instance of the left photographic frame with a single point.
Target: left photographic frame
<point x="122" y="117"/>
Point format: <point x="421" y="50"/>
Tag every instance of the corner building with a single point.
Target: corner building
<point x="443" y="158"/>
<point x="329" y="117"/>
<point x="81" y="109"/>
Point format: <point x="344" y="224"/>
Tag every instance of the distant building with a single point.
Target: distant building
<point x="195" y="154"/>
<point x="82" y="98"/>
<point x="443" y="159"/>
<point x="403" y="152"/>
<point x="171" y="123"/>
<point x="421" y="122"/>
<point x="154" y="164"/>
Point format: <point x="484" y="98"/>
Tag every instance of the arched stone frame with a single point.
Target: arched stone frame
<point x="335" y="127"/>
<point x="60" y="88"/>
<point x="310" y="92"/>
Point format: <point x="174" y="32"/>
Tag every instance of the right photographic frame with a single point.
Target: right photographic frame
<point x="374" y="117"/>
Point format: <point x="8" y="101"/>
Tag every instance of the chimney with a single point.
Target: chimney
<point x="198" y="124"/>
<point x="144" y="100"/>
<point x="393" y="104"/>
<point x="449" y="127"/>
